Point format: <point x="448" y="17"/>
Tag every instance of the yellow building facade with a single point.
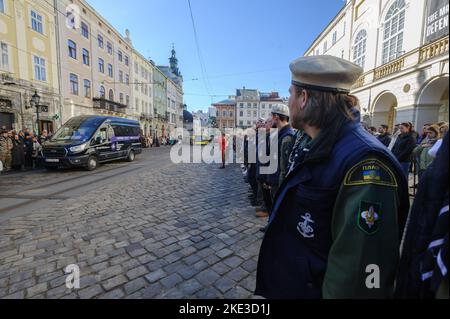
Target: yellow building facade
<point x="29" y="65"/>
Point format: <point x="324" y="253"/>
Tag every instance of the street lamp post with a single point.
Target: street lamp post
<point x="34" y="102"/>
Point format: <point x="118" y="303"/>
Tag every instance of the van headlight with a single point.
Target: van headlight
<point x="78" y="148"/>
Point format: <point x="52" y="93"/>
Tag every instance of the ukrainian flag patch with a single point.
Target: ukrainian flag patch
<point x="370" y="171"/>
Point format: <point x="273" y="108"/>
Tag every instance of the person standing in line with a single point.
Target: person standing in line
<point x="345" y="197"/>
<point x="264" y="188"/>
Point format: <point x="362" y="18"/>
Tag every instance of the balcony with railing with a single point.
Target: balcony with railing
<point x="433" y="50"/>
<point x="107" y="105"/>
<point x="408" y="60"/>
<point x="389" y="68"/>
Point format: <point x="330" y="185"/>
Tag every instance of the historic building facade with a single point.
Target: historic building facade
<point x="142" y="92"/>
<point x="247" y="107"/>
<point x="28" y="65"/>
<point x="403" y="47"/>
<point x="78" y="64"/>
<point x="95" y="63"/>
<point x="226" y="114"/>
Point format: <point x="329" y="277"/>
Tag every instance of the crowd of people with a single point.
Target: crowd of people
<point x="149" y="141"/>
<point x="20" y="151"/>
<point x="415" y="151"/>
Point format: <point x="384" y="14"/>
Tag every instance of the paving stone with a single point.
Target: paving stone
<point x="224" y="284"/>
<point x="134" y="285"/>
<point x="90" y="292"/>
<point x="114" y="282"/>
<point x="155" y="276"/>
<point x="171" y="281"/>
<point x="136" y="272"/>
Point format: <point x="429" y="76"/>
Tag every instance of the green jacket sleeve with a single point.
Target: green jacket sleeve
<point x="365" y="250"/>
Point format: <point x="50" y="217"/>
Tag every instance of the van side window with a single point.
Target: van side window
<point x="102" y="133"/>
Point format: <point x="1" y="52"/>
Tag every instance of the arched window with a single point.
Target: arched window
<point x="359" y="49"/>
<point x="111" y="95"/>
<point x="102" y="91"/>
<point x="394" y="24"/>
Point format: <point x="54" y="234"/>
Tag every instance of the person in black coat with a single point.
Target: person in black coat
<point x="423" y="266"/>
<point x="384" y="137"/>
<point x="404" y="146"/>
<point x="18" y="153"/>
<point x="29" y="150"/>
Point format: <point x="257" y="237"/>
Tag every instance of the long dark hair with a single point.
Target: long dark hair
<point x="322" y="108"/>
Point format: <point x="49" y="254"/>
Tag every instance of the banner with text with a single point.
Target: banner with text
<point x="436" y="20"/>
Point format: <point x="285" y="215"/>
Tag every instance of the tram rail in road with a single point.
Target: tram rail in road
<point x="17" y="201"/>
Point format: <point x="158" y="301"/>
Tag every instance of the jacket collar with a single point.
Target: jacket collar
<point x="329" y="136"/>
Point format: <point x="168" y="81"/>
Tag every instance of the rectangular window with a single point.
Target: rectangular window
<point x="40" y="73"/>
<point x="110" y="71"/>
<point x="73" y="84"/>
<point x="86" y="58"/>
<point x="120" y="76"/>
<point x="100" y="41"/>
<point x="325" y="46"/>
<point x="121" y="98"/>
<point x="4" y="59"/>
<point x="72" y="49"/>
<point x="120" y="55"/>
<point x="2" y="6"/>
<point x="127" y="100"/>
<point x="126" y="60"/>
<point x="334" y="37"/>
<point x="84" y="30"/>
<point x="101" y="65"/>
<point x="109" y="48"/>
<point x="127" y="79"/>
<point x="36" y="22"/>
<point x="87" y="88"/>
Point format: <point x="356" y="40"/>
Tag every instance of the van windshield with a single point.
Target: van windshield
<point x="78" y="129"/>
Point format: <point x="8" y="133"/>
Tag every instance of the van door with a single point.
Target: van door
<point x="102" y="144"/>
<point x="115" y="145"/>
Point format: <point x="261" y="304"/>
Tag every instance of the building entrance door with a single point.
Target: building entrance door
<point x="6" y="120"/>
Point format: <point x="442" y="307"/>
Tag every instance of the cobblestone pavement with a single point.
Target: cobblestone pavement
<point x="177" y="231"/>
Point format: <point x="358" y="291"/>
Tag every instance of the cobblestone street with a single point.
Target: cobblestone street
<point x="154" y="230"/>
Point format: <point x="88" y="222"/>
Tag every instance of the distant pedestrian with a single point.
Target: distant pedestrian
<point x="6" y="146"/>
<point x="395" y="134"/>
<point x="424" y="160"/>
<point x="383" y="135"/>
<point x="404" y="146"/>
<point x="18" y="153"/>
<point x="43" y="137"/>
<point x="223" y="144"/>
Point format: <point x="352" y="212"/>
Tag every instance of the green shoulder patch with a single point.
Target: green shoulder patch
<point x="370" y="171"/>
<point x="369" y="217"/>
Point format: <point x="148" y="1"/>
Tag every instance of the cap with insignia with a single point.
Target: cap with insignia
<point x="281" y="109"/>
<point x="325" y="73"/>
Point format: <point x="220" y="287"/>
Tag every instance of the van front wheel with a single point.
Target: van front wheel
<point x="92" y="163"/>
<point x="131" y="156"/>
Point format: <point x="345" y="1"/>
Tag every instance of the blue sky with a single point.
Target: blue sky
<point x="243" y="42"/>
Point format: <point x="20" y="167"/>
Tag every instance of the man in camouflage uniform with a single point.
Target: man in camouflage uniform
<point x="6" y="146"/>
